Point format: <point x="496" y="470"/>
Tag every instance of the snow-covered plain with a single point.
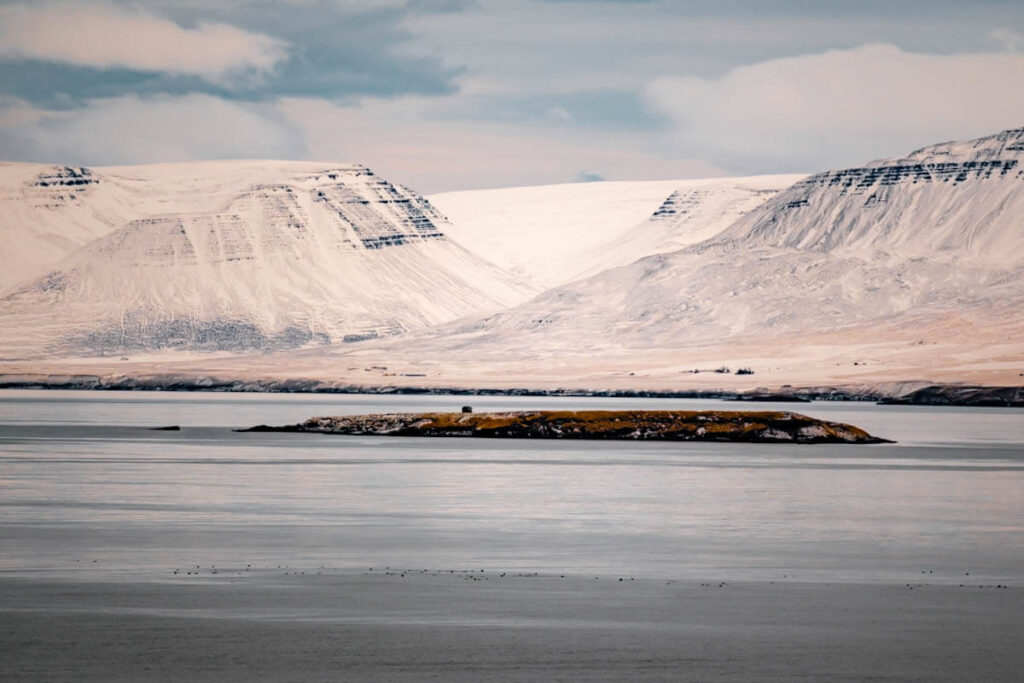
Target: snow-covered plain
<point x="552" y="234"/>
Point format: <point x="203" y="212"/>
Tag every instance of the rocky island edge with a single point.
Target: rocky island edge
<point x="635" y="425"/>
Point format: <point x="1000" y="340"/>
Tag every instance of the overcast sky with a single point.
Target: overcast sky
<point x="453" y="94"/>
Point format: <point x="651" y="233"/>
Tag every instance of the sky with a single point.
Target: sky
<point x="464" y="94"/>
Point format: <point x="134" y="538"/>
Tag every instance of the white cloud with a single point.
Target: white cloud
<point x="128" y="130"/>
<point x="399" y="138"/>
<point x="840" y="107"/>
<point x="101" y="35"/>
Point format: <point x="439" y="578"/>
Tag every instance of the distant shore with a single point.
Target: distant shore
<point x="937" y="394"/>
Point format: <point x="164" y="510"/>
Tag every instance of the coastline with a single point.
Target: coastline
<point x="911" y="392"/>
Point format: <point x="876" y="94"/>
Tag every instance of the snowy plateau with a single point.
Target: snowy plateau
<point x="902" y="271"/>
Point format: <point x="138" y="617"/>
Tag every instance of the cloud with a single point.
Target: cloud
<point x="404" y="139"/>
<point x="603" y="109"/>
<point x="840" y="107"/>
<point x="427" y="91"/>
<point x="105" y="36"/>
<point x="62" y="54"/>
<point x="128" y="130"/>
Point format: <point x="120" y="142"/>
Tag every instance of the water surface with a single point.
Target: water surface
<point x="87" y="489"/>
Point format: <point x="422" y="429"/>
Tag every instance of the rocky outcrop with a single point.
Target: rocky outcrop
<point x="631" y="425"/>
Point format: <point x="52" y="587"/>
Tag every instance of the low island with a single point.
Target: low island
<point x="637" y="425"/>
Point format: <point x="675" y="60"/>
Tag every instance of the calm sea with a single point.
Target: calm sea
<point x="87" y="489"/>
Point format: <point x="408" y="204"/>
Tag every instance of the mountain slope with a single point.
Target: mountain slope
<point x="46" y="212"/>
<point x="556" y="233"/>
<point x="964" y="198"/>
<point x="695" y="211"/>
<point x="896" y="246"/>
<point x="270" y="255"/>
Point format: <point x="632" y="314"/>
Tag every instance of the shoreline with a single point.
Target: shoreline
<point x="927" y="394"/>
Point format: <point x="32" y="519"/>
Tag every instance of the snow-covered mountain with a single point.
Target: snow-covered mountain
<point x="552" y="234"/>
<point x="242" y="255"/>
<point x="964" y="198"/>
<point x="908" y="268"/>
<point x="695" y="211"/>
<point x="895" y="245"/>
<point x="46" y="212"/>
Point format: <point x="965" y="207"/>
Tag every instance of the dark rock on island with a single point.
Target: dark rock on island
<point x="637" y="425"/>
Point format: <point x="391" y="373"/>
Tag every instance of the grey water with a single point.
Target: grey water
<point x="88" y="489"/>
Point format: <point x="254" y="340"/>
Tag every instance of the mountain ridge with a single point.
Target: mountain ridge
<point x="970" y="205"/>
<point x="923" y="282"/>
<point x="839" y="271"/>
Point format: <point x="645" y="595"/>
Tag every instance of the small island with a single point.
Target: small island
<point x="635" y="425"/>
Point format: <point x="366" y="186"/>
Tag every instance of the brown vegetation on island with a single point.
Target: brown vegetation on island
<point x="664" y="425"/>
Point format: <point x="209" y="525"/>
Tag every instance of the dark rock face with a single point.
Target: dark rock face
<point x="856" y="180"/>
<point x="635" y="425"/>
<point x="417" y="218"/>
<point x="680" y="203"/>
<point x="61" y="186"/>
<point x="66" y="176"/>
